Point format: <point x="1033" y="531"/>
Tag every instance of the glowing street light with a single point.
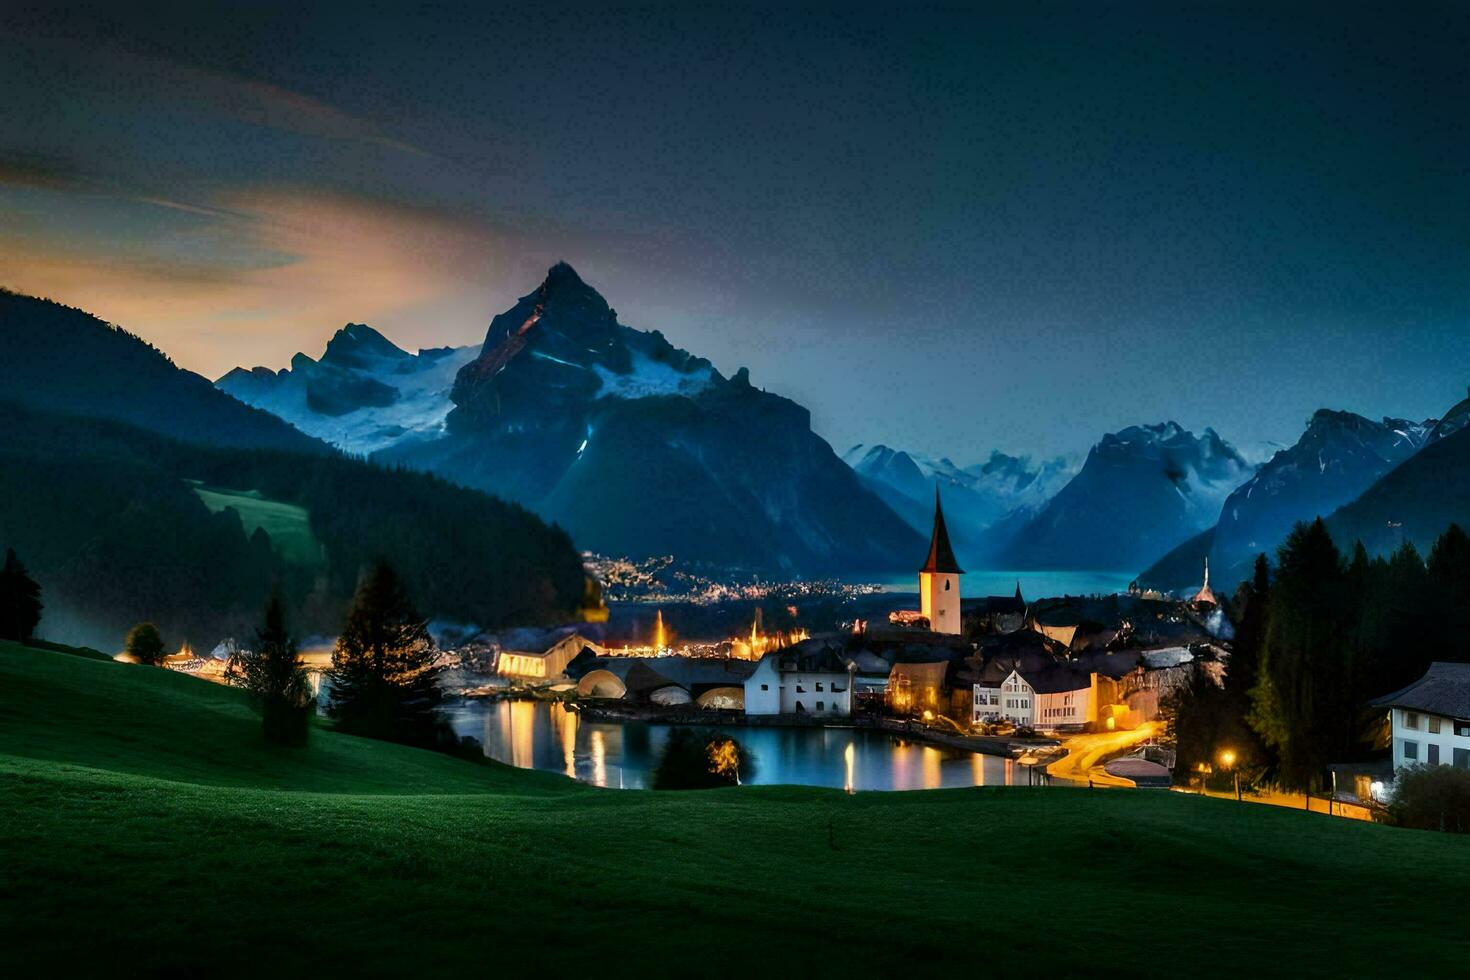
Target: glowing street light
<point x="1227" y="759"/>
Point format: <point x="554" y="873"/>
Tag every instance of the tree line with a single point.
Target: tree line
<point x="1317" y="637"/>
<point x="107" y="519"/>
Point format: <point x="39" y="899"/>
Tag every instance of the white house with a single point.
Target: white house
<point x="1048" y="698"/>
<point x="1431" y="718"/>
<point x="809" y="678"/>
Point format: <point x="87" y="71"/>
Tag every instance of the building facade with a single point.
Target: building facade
<point x="1054" y="698"/>
<point x="1430" y="718"/>
<point x="800" y="680"/>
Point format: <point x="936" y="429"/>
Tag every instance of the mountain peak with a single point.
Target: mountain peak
<point x="350" y="346"/>
<point x="561" y="275"/>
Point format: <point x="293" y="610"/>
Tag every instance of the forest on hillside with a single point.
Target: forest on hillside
<point x="108" y="520"/>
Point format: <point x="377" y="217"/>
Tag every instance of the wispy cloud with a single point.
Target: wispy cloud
<point x="255" y="274"/>
<point x="262" y="103"/>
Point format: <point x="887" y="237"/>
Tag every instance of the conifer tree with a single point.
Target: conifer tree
<point x="273" y="673"/>
<point x="1449" y="578"/>
<point x="1303" y="700"/>
<point x="384" y="679"/>
<point x="20" y="600"/>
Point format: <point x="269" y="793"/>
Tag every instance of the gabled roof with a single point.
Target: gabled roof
<point x="1443" y="690"/>
<point x="941" y="554"/>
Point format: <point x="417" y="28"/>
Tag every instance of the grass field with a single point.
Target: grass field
<point x="288" y="525"/>
<point x="145" y="828"/>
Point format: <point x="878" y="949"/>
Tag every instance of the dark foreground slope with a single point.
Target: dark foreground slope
<point x="146" y="831"/>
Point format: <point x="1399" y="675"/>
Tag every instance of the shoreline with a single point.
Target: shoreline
<point x="994" y="745"/>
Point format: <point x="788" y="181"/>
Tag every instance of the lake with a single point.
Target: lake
<point x="1034" y="584"/>
<point x="545" y="735"/>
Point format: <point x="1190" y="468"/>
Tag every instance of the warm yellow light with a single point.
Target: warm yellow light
<point x="928" y="715"/>
<point x="1227" y="758"/>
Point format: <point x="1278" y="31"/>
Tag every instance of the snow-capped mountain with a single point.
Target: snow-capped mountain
<point x="1141" y="492"/>
<point x="1337" y="458"/>
<point x="1454" y="420"/>
<point x="365" y="394"/>
<point x="636" y="447"/>
<point x="983" y="503"/>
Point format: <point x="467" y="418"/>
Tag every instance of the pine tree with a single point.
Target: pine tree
<point x="384" y="679"/>
<point x="144" y="644"/>
<point x="272" y="672"/>
<point x="1253" y="599"/>
<point x="1303" y="704"/>
<point x="20" y="600"/>
<point x="1449" y="578"/>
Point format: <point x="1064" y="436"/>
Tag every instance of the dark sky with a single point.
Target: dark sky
<point x="948" y="231"/>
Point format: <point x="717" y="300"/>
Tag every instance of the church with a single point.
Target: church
<point x="939" y="579"/>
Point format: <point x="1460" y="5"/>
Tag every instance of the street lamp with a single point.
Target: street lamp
<point x="1227" y="759"/>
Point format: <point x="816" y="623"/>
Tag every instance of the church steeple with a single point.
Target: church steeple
<point x="1206" y="595"/>
<point x="941" y="555"/>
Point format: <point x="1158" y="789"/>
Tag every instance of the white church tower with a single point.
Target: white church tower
<point x="939" y="579"/>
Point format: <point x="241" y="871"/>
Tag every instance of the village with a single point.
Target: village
<point x="1036" y="681"/>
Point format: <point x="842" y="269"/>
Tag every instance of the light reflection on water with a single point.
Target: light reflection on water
<point x="543" y="735"/>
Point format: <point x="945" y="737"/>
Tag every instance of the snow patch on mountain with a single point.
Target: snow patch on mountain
<point x="358" y="356"/>
<point x="649" y="378"/>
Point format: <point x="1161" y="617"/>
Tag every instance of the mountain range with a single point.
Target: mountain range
<point x="634" y="446"/>
<point x="1337" y="458"/>
<point x="1141" y="492"/>
<point x="985" y="504"/>
<point x="135" y="490"/>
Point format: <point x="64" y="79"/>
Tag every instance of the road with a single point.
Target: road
<point x="1086" y="754"/>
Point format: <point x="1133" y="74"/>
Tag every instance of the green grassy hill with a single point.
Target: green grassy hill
<point x="288" y="525"/>
<point x="145" y="828"/>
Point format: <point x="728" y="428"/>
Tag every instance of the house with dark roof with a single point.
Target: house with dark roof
<point x="1030" y="692"/>
<point x="813" y="677"/>
<point x="1431" y="718"/>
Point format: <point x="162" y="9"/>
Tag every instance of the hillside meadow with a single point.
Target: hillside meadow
<point x="147" y="829"/>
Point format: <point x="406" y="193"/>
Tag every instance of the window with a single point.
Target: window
<point x="946" y="587"/>
<point x="819" y="685"/>
<point x="1411" y="720"/>
<point x="820" y="706"/>
<point x="1411" y="750"/>
<point x="1462" y="758"/>
<point x="1434" y="724"/>
<point x="1462" y="728"/>
<point x="1434" y="753"/>
<point x="765" y="687"/>
<point x="800" y="689"/>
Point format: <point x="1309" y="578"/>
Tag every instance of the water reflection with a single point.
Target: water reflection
<point x="540" y="735"/>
